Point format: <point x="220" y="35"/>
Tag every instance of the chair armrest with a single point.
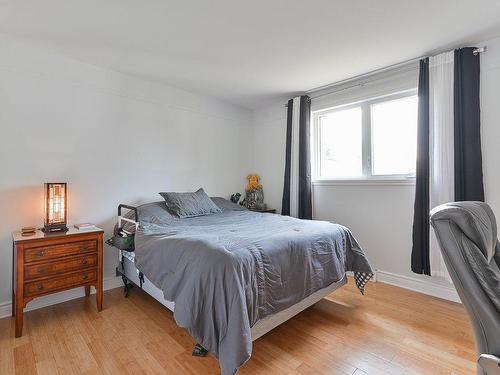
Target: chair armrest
<point x="490" y="364"/>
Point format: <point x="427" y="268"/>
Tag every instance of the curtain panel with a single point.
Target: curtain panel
<point x="297" y="193"/>
<point x="420" y="262"/>
<point x="449" y="162"/>
<point x="468" y="156"/>
<point x="441" y="147"/>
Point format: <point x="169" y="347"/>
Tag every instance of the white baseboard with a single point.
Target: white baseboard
<point x="52" y="299"/>
<point x="5" y="309"/>
<point x="435" y="289"/>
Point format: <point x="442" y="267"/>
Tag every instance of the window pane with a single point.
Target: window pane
<point x="394" y="136"/>
<point x="341" y="144"/>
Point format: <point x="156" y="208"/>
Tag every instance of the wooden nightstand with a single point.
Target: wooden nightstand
<point x="49" y="263"/>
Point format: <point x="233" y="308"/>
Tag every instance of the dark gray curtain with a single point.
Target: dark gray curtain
<point x="420" y="249"/>
<point x="285" y="204"/>
<point x="301" y="204"/>
<point x="468" y="170"/>
<point x="468" y="158"/>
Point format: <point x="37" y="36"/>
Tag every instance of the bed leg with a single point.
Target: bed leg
<point x="199" y="351"/>
<point x="126" y="286"/>
<point x="141" y="279"/>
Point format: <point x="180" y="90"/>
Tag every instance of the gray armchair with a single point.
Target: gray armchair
<point x="467" y="235"/>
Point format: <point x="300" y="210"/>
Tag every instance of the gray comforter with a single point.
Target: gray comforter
<point x="226" y="271"/>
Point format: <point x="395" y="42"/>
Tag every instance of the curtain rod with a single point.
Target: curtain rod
<point x="409" y="69"/>
<point x="479" y="50"/>
<point x="475" y="51"/>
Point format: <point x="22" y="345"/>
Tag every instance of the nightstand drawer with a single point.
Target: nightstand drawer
<point x="76" y="279"/>
<point x="34" y="271"/>
<point x="36" y="254"/>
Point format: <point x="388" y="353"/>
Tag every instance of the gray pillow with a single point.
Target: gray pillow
<point x="190" y="204"/>
<point x="226" y="205"/>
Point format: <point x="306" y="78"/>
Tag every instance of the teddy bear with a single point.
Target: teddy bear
<point x="254" y="194"/>
<point x="253" y="182"/>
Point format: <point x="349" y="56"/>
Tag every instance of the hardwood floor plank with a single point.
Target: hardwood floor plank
<point x="274" y="357"/>
<point x="436" y="355"/>
<point x="387" y="331"/>
<point x="24" y="360"/>
<point x="420" y="365"/>
<point x="6" y="351"/>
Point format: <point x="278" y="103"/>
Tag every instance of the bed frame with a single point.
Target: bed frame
<point x="131" y="277"/>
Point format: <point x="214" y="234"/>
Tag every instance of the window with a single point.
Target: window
<point x="373" y="139"/>
<point x="341" y="151"/>
<point x="394" y="136"/>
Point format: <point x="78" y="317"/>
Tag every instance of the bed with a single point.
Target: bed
<point x="232" y="276"/>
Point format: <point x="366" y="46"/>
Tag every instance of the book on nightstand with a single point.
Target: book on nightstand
<point x="85" y="226"/>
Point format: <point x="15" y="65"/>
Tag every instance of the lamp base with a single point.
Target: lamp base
<point x="55" y="228"/>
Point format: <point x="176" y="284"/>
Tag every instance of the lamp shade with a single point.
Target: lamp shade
<point x="56" y="206"/>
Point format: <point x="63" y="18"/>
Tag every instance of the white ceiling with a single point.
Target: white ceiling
<point x="249" y="52"/>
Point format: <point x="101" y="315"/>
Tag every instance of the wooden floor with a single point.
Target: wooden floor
<point x="389" y="331"/>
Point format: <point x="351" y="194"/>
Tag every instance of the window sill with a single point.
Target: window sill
<point x="366" y="182"/>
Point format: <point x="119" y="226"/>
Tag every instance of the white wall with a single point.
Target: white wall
<point x="380" y="215"/>
<point x="269" y="150"/>
<point x="490" y="122"/>
<point x="112" y="137"/>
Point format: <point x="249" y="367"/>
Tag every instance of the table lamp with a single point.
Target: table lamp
<point x="56" y="207"/>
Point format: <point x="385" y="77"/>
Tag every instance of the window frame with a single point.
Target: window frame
<point x="367" y="144"/>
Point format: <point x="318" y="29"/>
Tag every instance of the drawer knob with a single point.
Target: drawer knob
<point x="41" y="270"/>
<point x="41" y="253"/>
<point x="85" y="277"/>
<point x="84" y="261"/>
<point x="39" y="286"/>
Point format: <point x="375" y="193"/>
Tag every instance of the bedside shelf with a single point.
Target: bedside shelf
<point x="267" y="210"/>
<point x="49" y="263"/>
